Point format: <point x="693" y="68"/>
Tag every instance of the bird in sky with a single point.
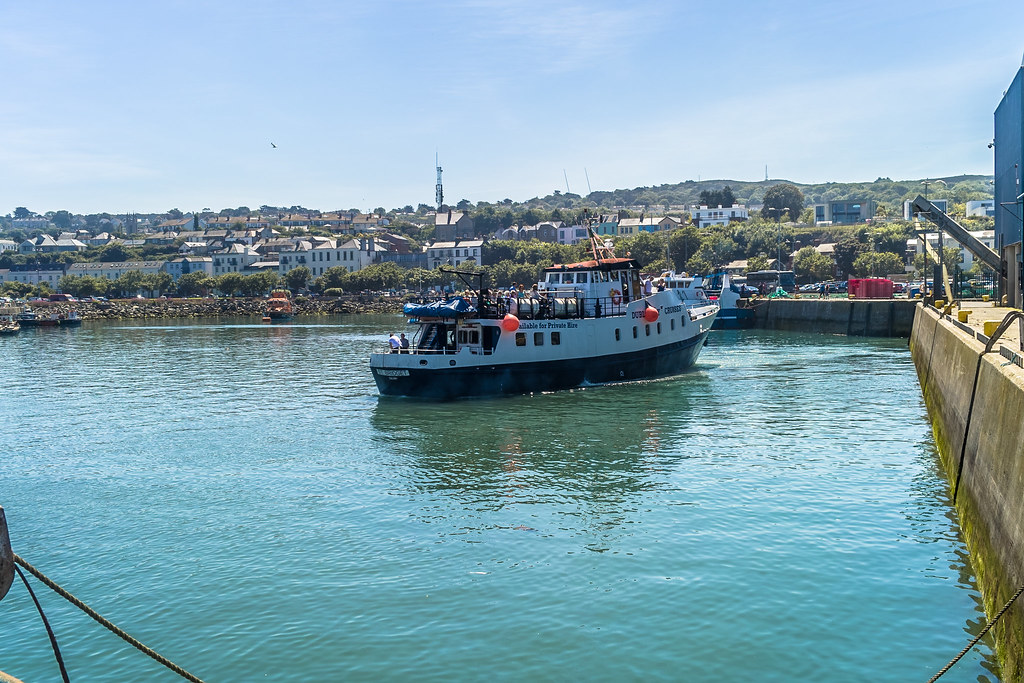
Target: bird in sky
<point x="273" y="145"/>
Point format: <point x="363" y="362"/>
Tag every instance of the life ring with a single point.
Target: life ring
<point x="616" y="296"/>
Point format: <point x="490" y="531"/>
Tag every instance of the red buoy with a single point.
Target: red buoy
<point x="650" y="314"/>
<point x="510" y="323"/>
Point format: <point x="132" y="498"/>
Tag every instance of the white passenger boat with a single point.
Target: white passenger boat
<point x="587" y="323"/>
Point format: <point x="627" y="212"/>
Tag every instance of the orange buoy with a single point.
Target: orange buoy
<point x="510" y="323"/>
<point x="650" y="314"/>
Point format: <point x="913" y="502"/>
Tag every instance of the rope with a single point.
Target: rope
<point x="978" y="637"/>
<point x="104" y="623"/>
<point x="46" y="623"/>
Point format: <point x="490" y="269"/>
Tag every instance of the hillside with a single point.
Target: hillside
<point x="884" y="191"/>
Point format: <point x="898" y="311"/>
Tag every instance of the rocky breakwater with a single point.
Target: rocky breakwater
<point x="129" y="309"/>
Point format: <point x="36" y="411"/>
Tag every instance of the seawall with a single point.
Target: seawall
<point x="852" y="317"/>
<point x="990" y="497"/>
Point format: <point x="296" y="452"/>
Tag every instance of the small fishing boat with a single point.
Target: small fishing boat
<point x="584" y="323"/>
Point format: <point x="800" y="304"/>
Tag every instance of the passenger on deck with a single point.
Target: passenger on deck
<point x="404" y="342"/>
<point x="395" y="342"/>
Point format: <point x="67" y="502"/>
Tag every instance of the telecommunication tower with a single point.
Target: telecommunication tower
<point x="440" y="191"/>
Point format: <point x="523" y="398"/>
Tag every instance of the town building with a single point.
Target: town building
<point x="188" y="264"/>
<point x="704" y="216"/>
<point x="980" y="207"/>
<point x="844" y="212"/>
<point x="450" y="226"/>
<point x="112" y="270"/>
<point x="1009" y="195"/>
<point x="454" y="253"/>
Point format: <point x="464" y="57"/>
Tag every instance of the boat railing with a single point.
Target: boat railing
<point x="551" y="306"/>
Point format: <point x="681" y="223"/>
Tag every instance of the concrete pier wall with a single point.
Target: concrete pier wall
<point x="990" y="500"/>
<point x="852" y="317"/>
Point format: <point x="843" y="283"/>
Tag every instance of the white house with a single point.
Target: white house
<point x="49" y="276"/>
<point x="984" y="207"/>
<point x="234" y="259"/>
<point x="189" y="264"/>
<point x="704" y="216"/>
<point x="453" y="253"/>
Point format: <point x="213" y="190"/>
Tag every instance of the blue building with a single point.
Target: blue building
<point x="1009" y="159"/>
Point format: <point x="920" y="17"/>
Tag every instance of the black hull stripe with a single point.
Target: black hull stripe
<point x="522" y="378"/>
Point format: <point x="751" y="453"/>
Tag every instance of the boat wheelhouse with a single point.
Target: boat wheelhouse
<point x="583" y="323"/>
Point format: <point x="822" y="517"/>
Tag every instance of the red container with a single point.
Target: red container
<point x="870" y="288"/>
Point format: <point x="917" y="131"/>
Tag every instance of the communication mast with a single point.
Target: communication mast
<point x="440" y="191"/>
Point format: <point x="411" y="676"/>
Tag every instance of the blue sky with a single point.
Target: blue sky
<point x="137" y="106"/>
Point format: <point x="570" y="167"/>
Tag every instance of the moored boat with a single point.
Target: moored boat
<point x="279" y="307"/>
<point x="736" y="311"/>
<point x="583" y="323"/>
<point x="8" y="320"/>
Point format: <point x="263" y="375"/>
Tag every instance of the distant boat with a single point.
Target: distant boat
<point x="279" y="307"/>
<point x="8" y="322"/>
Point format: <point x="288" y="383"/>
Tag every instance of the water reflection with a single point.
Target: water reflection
<point x="590" y="457"/>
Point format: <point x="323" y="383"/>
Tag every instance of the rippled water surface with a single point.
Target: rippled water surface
<point x="237" y="497"/>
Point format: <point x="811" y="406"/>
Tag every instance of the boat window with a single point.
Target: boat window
<point x="581" y="277"/>
<point x="556" y="338"/>
<point x="553" y="278"/>
<point x="647" y="330"/>
<point x="659" y="328"/>
<point x="566" y="278"/>
<point x="635" y="332"/>
<point x="520" y="339"/>
<point x="538" y="339"/>
<point x="672" y="323"/>
<point x="618" y="335"/>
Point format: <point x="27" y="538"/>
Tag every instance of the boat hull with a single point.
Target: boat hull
<point x="734" y="319"/>
<point x="538" y="376"/>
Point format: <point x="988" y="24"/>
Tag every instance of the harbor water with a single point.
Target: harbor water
<point x="237" y="497"/>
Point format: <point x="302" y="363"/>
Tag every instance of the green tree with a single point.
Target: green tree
<point x="644" y="247"/>
<point x="17" y="290"/>
<point x="296" y="278"/>
<point x="845" y="254"/>
<point x="259" y="284"/>
<point x="62" y="219"/>
<point x="195" y="283"/>
<point x="878" y="264"/>
<point x="130" y="283"/>
<point x="174" y="214"/>
<point x="782" y="200"/>
<point x="756" y="263"/>
<point x="811" y="266"/>
<point x="723" y="197"/>
<point x="161" y="282"/>
<point x="228" y="284"/>
<point x="22" y="212"/>
<point x="115" y="252"/>
<point x="683" y="242"/>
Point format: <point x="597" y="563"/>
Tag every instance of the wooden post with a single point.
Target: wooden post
<point x="6" y="557"/>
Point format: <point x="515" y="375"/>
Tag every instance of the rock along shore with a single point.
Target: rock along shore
<point x="128" y="309"/>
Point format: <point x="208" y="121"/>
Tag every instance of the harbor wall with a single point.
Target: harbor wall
<point x="990" y="499"/>
<point x="852" y="317"/>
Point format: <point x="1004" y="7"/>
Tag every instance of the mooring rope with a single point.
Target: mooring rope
<point x="46" y="623"/>
<point x="104" y="623"/>
<point x="978" y="637"/>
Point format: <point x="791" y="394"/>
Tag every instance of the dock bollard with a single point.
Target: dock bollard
<point x="963" y="315"/>
<point x="6" y="557"/>
<point x="991" y="326"/>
